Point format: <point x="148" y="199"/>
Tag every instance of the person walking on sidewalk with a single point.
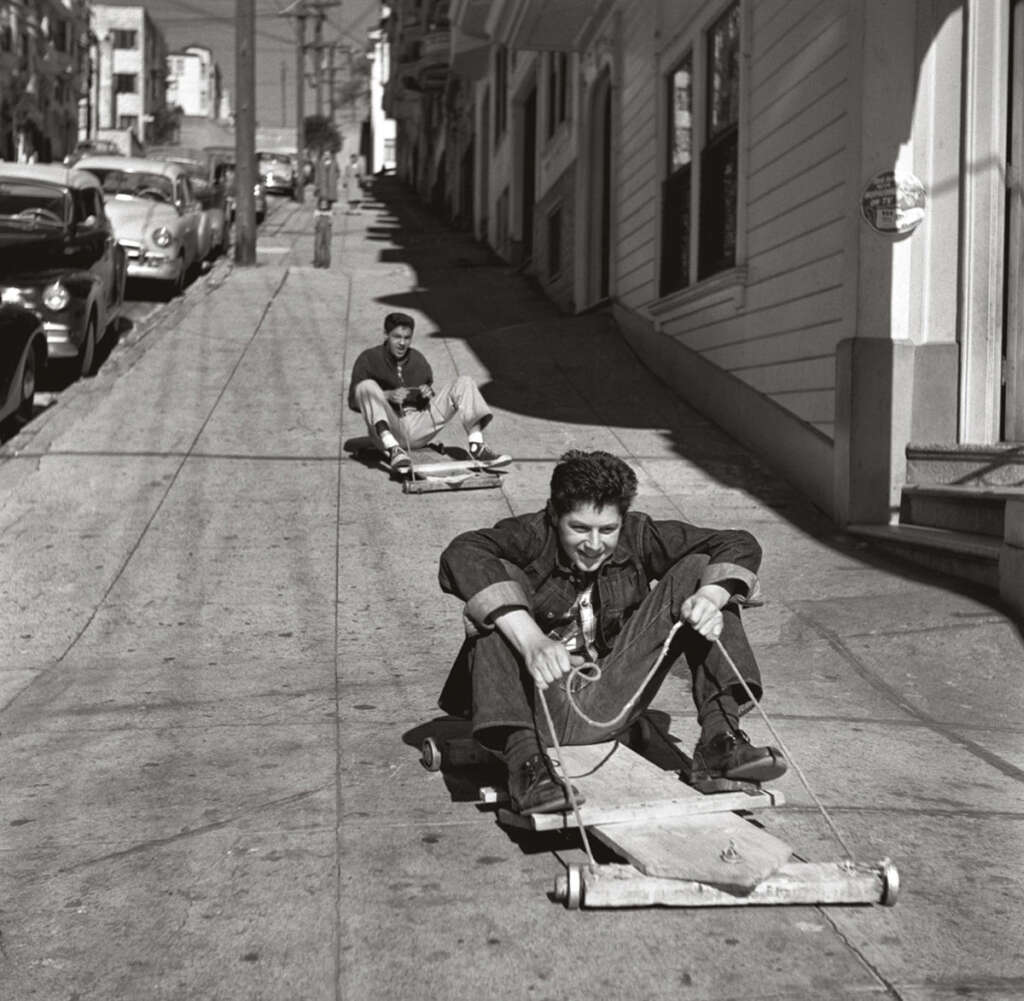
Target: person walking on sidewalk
<point x="352" y="179"/>
<point x="392" y="386"/>
<point x="580" y="598"/>
<point x="322" y="223"/>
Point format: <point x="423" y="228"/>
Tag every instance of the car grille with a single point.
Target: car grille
<point x="132" y="250"/>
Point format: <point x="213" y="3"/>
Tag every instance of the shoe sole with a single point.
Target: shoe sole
<point x="754" y="771"/>
<point x="560" y="805"/>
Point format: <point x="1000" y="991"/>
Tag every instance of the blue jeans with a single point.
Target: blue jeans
<point x="502" y="693"/>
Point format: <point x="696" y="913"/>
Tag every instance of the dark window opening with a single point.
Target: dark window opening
<point x="719" y="162"/>
<point x="675" y="248"/>
<point x="125" y="39"/>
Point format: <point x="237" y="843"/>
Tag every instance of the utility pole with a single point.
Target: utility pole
<point x="245" y="131"/>
<point x="318" y="60"/>
<point x="284" y="93"/>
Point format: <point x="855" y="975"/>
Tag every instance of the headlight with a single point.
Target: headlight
<point x="162" y="237"/>
<point x="56" y="297"/>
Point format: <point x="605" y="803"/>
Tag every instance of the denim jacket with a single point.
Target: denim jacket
<point x="472" y="569"/>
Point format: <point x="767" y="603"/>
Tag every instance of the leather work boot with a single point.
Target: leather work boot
<point x="730" y="755"/>
<point x="533" y="789"/>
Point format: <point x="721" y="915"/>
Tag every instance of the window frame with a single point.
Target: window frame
<point x="707" y="252"/>
<point x="557" y="81"/>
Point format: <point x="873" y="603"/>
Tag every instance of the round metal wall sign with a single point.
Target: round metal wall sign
<point x="893" y="203"/>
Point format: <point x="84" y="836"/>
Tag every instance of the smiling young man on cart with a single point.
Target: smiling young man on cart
<point x="573" y="606"/>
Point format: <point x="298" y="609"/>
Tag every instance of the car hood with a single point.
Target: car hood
<point x="28" y="255"/>
<point x="132" y="218"/>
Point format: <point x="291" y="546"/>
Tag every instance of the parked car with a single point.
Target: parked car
<point x="278" y="173"/>
<point x="207" y="186"/>
<point x="91" y="147"/>
<point x="155" y="214"/>
<point x="59" y="257"/>
<point x="224" y="160"/>
<point x="22" y="360"/>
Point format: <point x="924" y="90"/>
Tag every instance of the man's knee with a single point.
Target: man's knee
<point x="368" y="389"/>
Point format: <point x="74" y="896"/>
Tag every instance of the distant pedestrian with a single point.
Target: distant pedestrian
<point x="322" y="234"/>
<point x="326" y="178"/>
<point x="353" y="184"/>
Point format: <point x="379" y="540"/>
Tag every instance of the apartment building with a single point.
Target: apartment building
<point x="194" y="82"/>
<point x="805" y="215"/>
<point x="130" y="83"/>
<point x="44" y="71"/>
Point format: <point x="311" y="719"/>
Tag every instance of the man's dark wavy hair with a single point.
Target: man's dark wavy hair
<point x="597" y="478"/>
<point x="393" y="320"/>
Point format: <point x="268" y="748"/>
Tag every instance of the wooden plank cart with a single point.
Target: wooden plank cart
<point x="682" y="848"/>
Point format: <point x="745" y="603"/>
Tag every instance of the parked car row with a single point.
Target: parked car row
<point x="60" y="261"/>
<point x="72" y="234"/>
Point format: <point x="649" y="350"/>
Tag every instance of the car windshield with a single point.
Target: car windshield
<point x="275" y="159"/>
<point x="136" y="183"/>
<point x="33" y="203"/>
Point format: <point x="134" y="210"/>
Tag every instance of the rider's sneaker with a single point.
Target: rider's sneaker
<point x="533" y="789"/>
<point x="482" y="455"/>
<point x="399" y="461"/>
<point x="730" y="755"/>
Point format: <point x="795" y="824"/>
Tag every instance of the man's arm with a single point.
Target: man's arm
<point x="475" y="567"/>
<point x="545" y="658"/>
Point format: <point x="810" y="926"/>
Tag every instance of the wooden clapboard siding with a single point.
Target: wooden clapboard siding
<point x="815" y="178"/>
<point x="778" y="333"/>
<point x="801" y="250"/>
<point x="801" y="127"/>
<point x="789" y="51"/>
<point x="802" y="220"/>
<point x="637" y="169"/>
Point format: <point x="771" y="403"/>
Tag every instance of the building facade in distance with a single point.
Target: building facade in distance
<point x="130" y="83"/>
<point x="194" y="82"/>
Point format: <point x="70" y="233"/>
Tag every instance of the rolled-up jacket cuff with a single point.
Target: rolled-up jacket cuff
<point x="714" y="573"/>
<point x="503" y="594"/>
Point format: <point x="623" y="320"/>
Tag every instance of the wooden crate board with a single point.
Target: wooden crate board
<point x="628" y="787"/>
<point x="696" y="847"/>
<point x="720" y="849"/>
<point x="793" y="883"/>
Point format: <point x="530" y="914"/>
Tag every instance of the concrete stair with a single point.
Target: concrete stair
<point x="966" y="555"/>
<point x="966" y="465"/>
<point x="953" y="509"/>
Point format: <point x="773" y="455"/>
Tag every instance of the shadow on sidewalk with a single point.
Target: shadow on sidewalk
<point x="578" y="370"/>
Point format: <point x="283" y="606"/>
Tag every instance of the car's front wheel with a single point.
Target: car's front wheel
<point x="87" y="355"/>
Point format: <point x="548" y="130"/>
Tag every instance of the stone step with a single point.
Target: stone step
<point x="966" y="465"/>
<point x="976" y="510"/>
<point x="966" y="555"/>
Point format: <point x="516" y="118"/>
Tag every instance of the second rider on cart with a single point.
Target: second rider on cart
<point x="392" y="386"/>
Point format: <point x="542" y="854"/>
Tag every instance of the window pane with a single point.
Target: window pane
<point x="718" y="195"/>
<point x="681" y="114"/>
<point x="675" y="233"/>
<point x="724" y="72"/>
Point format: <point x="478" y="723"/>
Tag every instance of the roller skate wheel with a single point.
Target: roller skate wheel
<point x="430" y="755"/>
<point x="569" y="887"/>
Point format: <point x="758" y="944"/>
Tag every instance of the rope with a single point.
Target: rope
<point x="592" y="672"/>
<point x="568" y="785"/>
<point x="785" y="750"/>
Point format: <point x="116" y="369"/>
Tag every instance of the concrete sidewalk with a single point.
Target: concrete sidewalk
<point x="222" y="638"/>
